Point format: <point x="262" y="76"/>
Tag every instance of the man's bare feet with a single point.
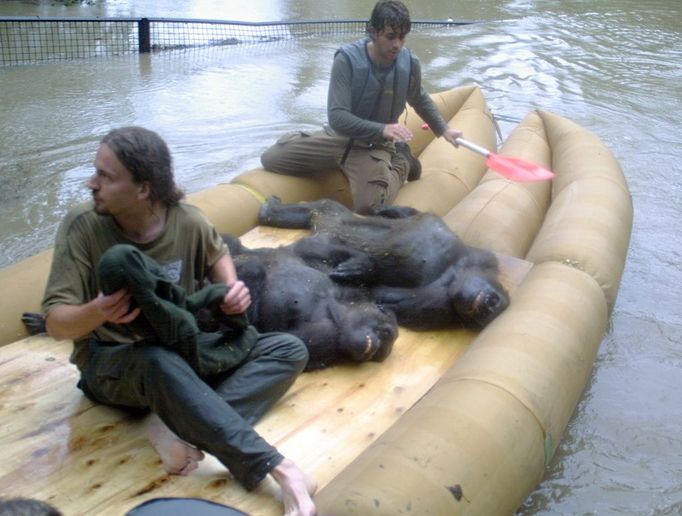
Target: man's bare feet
<point x="297" y="489"/>
<point x="178" y="457"/>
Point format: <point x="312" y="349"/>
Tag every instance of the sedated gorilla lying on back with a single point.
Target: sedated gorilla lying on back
<point x="412" y="263"/>
<point x="336" y="322"/>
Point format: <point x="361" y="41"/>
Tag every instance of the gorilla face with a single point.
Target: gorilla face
<point x="478" y="299"/>
<point x="367" y="333"/>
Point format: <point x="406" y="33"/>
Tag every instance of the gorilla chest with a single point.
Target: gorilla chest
<point x="295" y="295"/>
<point x="413" y="259"/>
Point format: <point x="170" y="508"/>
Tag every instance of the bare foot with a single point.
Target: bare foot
<point x="297" y="489"/>
<point x="178" y="457"/>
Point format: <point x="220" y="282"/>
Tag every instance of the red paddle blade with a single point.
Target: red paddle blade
<point x="517" y="169"/>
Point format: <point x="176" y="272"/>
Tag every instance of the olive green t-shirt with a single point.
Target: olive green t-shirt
<point x="187" y="249"/>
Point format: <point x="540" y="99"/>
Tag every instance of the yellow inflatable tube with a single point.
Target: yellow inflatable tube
<point x="479" y="441"/>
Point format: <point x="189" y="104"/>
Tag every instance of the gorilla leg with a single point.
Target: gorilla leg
<point x="299" y="215"/>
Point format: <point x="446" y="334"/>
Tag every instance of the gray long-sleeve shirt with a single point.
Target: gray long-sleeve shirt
<point x="343" y="122"/>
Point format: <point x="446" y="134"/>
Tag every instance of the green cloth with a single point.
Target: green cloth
<point x="168" y="315"/>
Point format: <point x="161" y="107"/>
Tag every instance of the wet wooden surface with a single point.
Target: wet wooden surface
<point x="90" y="459"/>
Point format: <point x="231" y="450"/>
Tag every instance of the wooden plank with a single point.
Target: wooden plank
<point x="90" y="459"/>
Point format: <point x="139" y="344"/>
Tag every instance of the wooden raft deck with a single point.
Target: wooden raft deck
<point x="85" y="458"/>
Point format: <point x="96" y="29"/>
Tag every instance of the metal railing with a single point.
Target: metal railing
<point x="25" y="40"/>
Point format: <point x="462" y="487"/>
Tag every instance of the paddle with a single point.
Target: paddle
<point x="515" y="169"/>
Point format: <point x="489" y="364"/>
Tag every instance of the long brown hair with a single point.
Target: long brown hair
<point x="389" y="13"/>
<point x="145" y="154"/>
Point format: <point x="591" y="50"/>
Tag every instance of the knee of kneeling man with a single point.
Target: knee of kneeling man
<point x="271" y="158"/>
<point x="369" y="206"/>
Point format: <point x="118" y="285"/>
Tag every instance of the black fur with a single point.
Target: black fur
<point x="410" y="261"/>
<point x="335" y="322"/>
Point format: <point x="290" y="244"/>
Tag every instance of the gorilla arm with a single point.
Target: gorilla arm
<point x="343" y="263"/>
<point x="420" y="308"/>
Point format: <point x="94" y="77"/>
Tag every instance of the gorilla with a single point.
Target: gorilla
<point x="335" y="321"/>
<point x="410" y="261"/>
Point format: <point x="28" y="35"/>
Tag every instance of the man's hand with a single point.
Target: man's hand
<point x="396" y="133"/>
<point x="237" y="299"/>
<point x="451" y="135"/>
<point x="115" y="307"/>
<point x="76" y="321"/>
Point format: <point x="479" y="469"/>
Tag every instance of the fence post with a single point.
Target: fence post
<point x="144" y="36"/>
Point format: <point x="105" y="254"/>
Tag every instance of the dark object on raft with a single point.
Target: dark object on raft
<point x="336" y="322"/>
<point x="410" y="261"/>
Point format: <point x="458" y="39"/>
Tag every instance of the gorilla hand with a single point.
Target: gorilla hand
<point x="356" y="270"/>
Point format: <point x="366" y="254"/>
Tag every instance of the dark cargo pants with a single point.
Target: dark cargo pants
<point x="214" y="412"/>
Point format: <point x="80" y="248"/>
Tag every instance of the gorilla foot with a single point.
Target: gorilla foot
<point x="34" y="322"/>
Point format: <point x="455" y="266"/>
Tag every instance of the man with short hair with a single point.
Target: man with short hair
<point x="123" y="286"/>
<point x="371" y="80"/>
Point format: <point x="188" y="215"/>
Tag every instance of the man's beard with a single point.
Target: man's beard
<point x="101" y="210"/>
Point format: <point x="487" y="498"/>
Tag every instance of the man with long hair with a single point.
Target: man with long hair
<point x="129" y="271"/>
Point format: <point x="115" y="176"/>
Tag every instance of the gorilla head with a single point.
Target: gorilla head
<point x="336" y="322"/>
<point x="367" y="332"/>
<point x="477" y="299"/>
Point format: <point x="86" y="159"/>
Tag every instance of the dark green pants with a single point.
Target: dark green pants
<point x="212" y="410"/>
